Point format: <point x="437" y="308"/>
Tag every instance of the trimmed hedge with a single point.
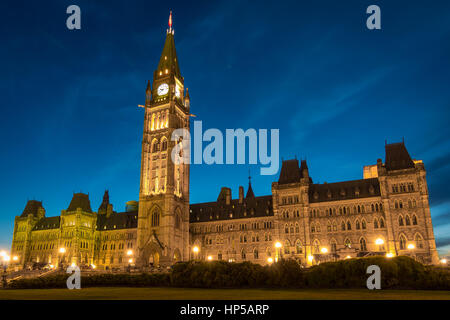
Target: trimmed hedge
<point x="396" y="273"/>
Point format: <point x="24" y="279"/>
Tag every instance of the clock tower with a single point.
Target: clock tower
<point x="163" y="218"/>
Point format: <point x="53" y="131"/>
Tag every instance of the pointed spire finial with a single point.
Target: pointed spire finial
<point x="170" y="22"/>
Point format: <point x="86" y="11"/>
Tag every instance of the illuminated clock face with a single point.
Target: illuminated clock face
<point x="177" y="91"/>
<point x="163" y="89"/>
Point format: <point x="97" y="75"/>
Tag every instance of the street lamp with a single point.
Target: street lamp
<point x="130" y="261"/>
<point x="5" y="261"/>
<point x="380" y="243"/>
<point x="62" y="251"/>
<point x="195" y="249"/>
<point x="278" y="246"/>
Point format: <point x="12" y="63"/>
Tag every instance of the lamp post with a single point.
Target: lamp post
<point x="195" y="249"/>
<point x="380" y="243"/>
<point x="324" y="252"/>
<point x="411" y="248"/>
<point x="62" y="251"/>
<point x="5" y="260"/>
<point x="278" y="246"/>
<point x="130" y="260"/>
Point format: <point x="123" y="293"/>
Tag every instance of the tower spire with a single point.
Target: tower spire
<point x="250" y="193"/>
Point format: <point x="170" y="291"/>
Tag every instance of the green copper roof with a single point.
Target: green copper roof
<point x="169" y="58"/>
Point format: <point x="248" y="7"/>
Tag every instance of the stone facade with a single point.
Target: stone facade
<point x="385" y="213"/>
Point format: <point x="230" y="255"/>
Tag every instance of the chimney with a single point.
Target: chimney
<point x="241" y="194"/>
<point x="228" y="196"/>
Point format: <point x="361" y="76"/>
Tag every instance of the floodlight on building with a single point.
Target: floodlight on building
<point x="195" y="249"/>
<point x="15" y="258"/>
<point x="411" y="246"/>
<point x="379" y="241"/>
<point x="62" y="250"/>
<point x="324" y="250"/>
<point x="310" y="258"/>
<point x="389" y="255"/>
<point x="270" y="260"/>
<point x="443" y="261"/>
<point x="209" y="258"/>
<point x="129" y="252"/>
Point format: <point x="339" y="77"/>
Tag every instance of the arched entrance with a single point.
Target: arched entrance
<point x="176" y="255"/>
<point x="153" y="259"/>
<point x="150" y="255"/>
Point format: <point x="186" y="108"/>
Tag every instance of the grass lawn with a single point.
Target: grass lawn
<point x="224" y="294"/>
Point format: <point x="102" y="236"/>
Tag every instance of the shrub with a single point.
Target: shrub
<point x="399" y="273"/>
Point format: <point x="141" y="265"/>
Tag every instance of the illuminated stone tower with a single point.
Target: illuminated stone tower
<point x="163" y="219"/>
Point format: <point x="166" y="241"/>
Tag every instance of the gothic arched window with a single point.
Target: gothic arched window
<point x="298" y="247"/>
<point x="419" y="241"/>
<point x="362" y="244"/>
<point x="402" y="242"/>
<point x="155" y="219"/>
<point x="363" y="224"/>
<point x="164" y="145"/>
<point x="408" y="220"/>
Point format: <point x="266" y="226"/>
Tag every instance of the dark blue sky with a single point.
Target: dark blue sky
<point x="335" y="90"/>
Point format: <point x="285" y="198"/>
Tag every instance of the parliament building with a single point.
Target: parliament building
<point x="385" y="213"/>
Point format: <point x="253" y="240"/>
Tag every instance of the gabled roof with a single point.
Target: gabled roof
<point x="47" y="223"/>
<point x="169" y="58"/>
<point x="397" y="157"/>
<point x="80" y="200"/>
<point x="117" y="220"/>
<point x="105" y="202"/>
<point x="32" y="207"/>
<point x="354" y="189"/>
<point x="290" y="172"/>
<point x="214" y="211"/>
<point x="250" y="193"/>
